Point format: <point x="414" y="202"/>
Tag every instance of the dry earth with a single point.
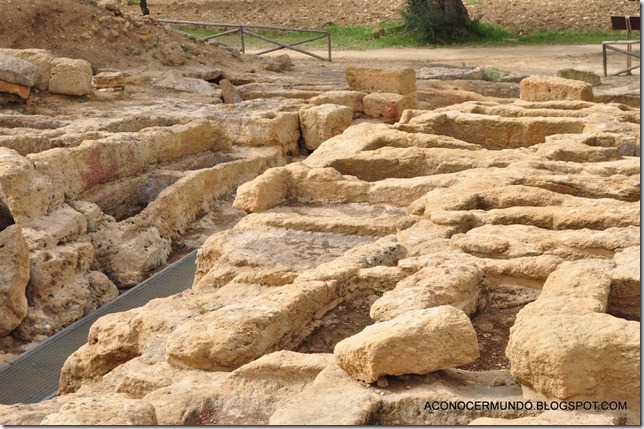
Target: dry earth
<point x="509" y="227"/>
<point x="519" y="15"/>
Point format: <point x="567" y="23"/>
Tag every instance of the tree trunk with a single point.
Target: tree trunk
<point x="450" y="9"/>
<point x="437" y="20"/>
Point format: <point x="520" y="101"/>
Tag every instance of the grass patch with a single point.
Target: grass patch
<point x="494" y="35"/>
<point x="395" y="35"/>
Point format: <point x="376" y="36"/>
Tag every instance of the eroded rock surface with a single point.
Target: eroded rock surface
<point x="13" y="278"/>
<point x="505" y="219"/>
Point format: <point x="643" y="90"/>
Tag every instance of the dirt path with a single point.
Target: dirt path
<point x="519" y="59"/>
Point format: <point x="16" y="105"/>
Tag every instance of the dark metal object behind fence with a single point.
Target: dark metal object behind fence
<point x="248" y="29"/>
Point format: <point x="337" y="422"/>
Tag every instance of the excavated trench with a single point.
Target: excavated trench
<point x="126" y="198"/>
<point x="129" y="187"/>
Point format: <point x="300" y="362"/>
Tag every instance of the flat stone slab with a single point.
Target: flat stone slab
<point x="15" y="70"/>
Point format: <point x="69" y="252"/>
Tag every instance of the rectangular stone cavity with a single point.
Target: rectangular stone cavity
<point x="128" y="197"/>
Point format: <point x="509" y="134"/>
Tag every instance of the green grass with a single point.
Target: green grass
<point x="394" y="35"/>
<point x="494" y="35"/>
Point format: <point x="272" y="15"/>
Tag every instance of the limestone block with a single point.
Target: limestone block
<point x="279" y="63"/>
<point x="109" y="80"/>
<point x="253" y="91"/>
<point x="57" y="227"/>
<point x="251" y="393"/>
<point x="14" y="88"/>
<point x="29" y="414"/>
<point x="266" y="129"/>
<point x="138" y="377"/>
<point x="516" y="240"/>
<point x="116" y="339"/>
<point x="96" y="162"/>
<point x="238" y="333"/>
<point x="14" y="275"/>
<point x="435" y="97"/>
<point x="15" y="70"/>
<point x="184" y="201"/>
<point x="62" y="289"/>
<point x="137" y="254"/>
<point x="111" y="342"/>
<point x="416" y="342"/>
<point x="173" y="53"/>
<point x="325" y="185"/>
<point x="93" y="213"/>
<point x="70" y="76"/>
<point x="548" y="88"/>
<point x="567" y="355"/>
<point x="230" y="93"/>
<point x="264" y="192"/>
<point x="625" y="294"/>
<point x="398" y="81"/>
<point x="555" y="305"/>
<point x="320" y="123"/>
<point x="580" y="279"/>
<point x="334" y="398"/>
<point x="26" y="192"/>
<point x="40" y="58"/>
<point x="191" y="401"/>
<point x="582" y="75"/>
<point x="387" y="106"/>
<point x="447" y="282"/>
<point x="109" y="409"/>
<point x="351" y="99"/>
<point x="176" y="81"/>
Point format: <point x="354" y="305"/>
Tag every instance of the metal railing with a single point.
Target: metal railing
<point x="630" y="24"/>
<point x="249" y="30"/>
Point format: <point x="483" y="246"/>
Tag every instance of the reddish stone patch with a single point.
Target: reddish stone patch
<point x="97" y="172"/>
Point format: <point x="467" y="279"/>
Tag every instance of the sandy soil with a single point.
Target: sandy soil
<point x="520" y="15"/>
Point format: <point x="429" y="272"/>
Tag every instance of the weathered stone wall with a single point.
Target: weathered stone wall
<point x="157" y="175"/>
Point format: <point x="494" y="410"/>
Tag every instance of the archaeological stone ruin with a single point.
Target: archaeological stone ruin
<point x="369" y="247"/>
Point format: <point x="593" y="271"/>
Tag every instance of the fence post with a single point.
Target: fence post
<point x="328" y="43"/>
<point x="241" y="34"/>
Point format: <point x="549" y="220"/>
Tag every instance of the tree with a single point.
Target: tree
<point x="437" y="20"/>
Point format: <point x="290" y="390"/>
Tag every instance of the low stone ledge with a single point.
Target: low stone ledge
<point x="548" y="88"/>
<point x="400" y="80"/>
<point x="320" y="123"/>
<point x="388" y="107"/>
<point x="351" y="99"/>
<point x="70" y="77"/>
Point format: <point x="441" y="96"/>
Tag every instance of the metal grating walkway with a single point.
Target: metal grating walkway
<point x="33" y="376"/>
